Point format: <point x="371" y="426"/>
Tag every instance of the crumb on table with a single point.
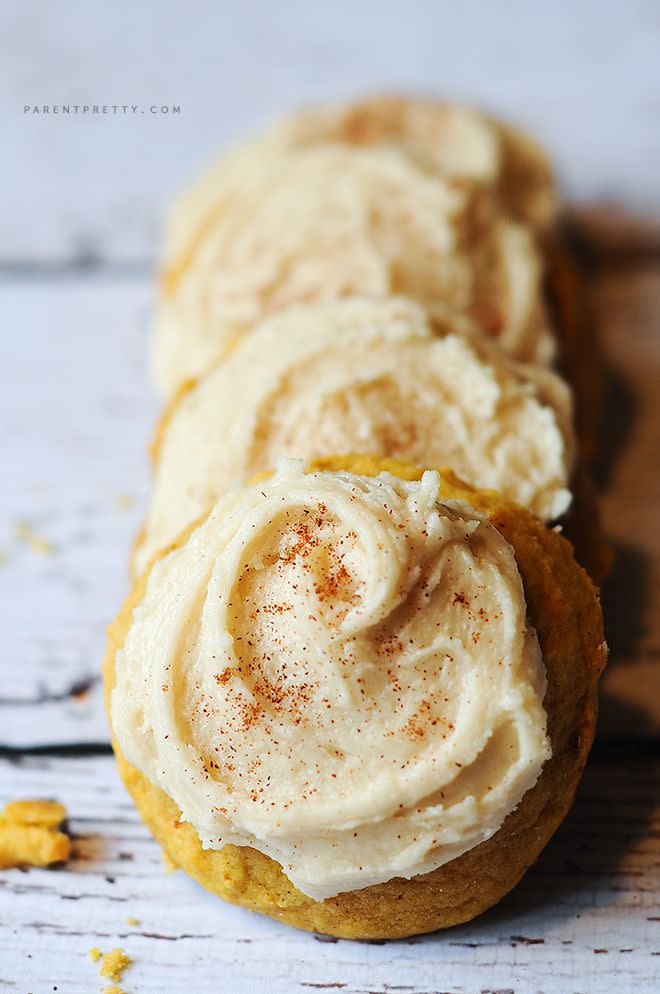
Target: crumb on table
<point x="29" y="834"/>
<point x="114" y="963"/>
<point x="132" y="921"/>
<point x="24" y="532"/>
<point x="48" y="814"/>
<point x="113" y="989"/>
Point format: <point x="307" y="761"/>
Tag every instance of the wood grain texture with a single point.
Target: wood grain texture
<point x="75" y="417"/>
<point x="588" y="907"/>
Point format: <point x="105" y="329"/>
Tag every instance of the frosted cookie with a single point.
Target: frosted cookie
<point x="360" y="704"/>
<point x="370" y="376"/>
<point x="451" y="139"/>
<point x="333" y="221"/>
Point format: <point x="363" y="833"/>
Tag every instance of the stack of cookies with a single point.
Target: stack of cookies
<point x="354" y="684"/>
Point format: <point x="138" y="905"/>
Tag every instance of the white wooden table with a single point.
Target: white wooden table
<point x="78" y="240"/>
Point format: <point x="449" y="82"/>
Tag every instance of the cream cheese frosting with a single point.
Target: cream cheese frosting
<point x="333" y="221"/>
<point x="338" y="671"/>
<point x="451" y="139"/>
<point x="366" y="376"/>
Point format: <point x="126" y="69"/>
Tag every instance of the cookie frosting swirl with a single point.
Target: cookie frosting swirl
<point x="363" y="375"/>
<point x="338" y="671"/>
<point x="332" y="222"/>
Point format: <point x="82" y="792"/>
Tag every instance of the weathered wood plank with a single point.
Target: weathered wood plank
<point x="588" y="907"/>
<point x="75" y="416"/>
<point x="94" y="186"/>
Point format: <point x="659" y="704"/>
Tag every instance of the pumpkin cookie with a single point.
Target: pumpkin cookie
<point x="362" y="375"/>
<point x="332" y="221"/>
<point x="449" y="139"/>
<point x="358" y="703"/>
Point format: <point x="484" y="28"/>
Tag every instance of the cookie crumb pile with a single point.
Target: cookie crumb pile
<point x="113" y="964"/>
<point x="30" y="834"/>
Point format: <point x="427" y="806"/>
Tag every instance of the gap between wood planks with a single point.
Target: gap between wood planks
<point x="88" y="265"/>
<point x="616" y="748"/>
